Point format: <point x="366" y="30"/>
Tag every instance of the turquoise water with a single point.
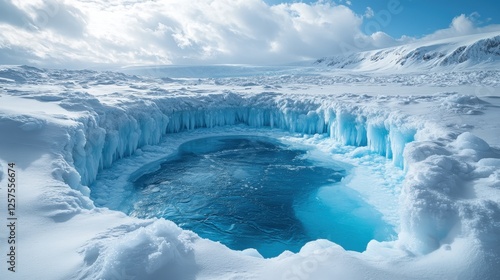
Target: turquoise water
<point x="254" y="192"/>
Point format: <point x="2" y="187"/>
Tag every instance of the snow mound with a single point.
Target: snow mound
<point x="151" y="249"/>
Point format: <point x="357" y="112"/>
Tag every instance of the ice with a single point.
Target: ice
<point x="115" y="133"/>
<point x="420" y="148"/>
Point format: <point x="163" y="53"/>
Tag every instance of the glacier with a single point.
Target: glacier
<point x="68" y="130"/>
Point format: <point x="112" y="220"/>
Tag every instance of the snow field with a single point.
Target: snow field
<point x="448" y="210"/>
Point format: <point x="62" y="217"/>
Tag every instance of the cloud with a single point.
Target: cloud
<point x="369" y="13"/>
<point x="460" y="26"/>
<point x="89" y="33"/>
<point x="122" y="32"/>
<point x="11" y="14"/>
<point x="64" y="19"/>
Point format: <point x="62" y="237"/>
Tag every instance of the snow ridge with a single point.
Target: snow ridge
<point x="476" y="51"/>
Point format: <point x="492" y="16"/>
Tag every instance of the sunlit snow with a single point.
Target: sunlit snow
<point x="419" y="147"/>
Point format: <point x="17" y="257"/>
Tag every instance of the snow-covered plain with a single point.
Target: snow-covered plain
<point x="422" y="147"/>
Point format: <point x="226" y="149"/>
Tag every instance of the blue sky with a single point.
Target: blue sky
<point x="423" y="17"/>
<point x="101" y="33"/>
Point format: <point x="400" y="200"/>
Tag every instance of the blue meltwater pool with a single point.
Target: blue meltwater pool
<point x="255" y="192"/>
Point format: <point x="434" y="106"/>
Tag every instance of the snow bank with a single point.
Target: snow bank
<point x="151" y="249"/>
<point x="440" y="200"/>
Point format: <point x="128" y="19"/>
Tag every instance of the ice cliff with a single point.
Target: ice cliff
<point x="113" y="132"/>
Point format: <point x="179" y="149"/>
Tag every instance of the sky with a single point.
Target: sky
<point x="93" y="33"/>
<point x="418" y="18"/>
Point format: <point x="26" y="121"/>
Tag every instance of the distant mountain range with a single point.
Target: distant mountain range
<point x="458" y="53"/>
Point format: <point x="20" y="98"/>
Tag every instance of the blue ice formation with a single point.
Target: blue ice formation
<point x="114" y="132"/>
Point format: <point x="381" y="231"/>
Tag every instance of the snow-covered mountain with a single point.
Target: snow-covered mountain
<point x="458" y="53"/>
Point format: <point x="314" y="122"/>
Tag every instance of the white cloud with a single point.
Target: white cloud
<point x="11" y="14"/>
<point x="85" y="33"/>
<point x="460" y="26"/>
<point x="382" y="40"/>
<point x="369" y="13"/>
<point x="177" y="31"/>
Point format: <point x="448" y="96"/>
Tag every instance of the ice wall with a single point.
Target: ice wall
<point x="114" y="132"/>
<point x="430" y="213"/>
<point x="108" y="133"/>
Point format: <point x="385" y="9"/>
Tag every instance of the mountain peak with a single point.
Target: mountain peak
<point x="465" y="52"/>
